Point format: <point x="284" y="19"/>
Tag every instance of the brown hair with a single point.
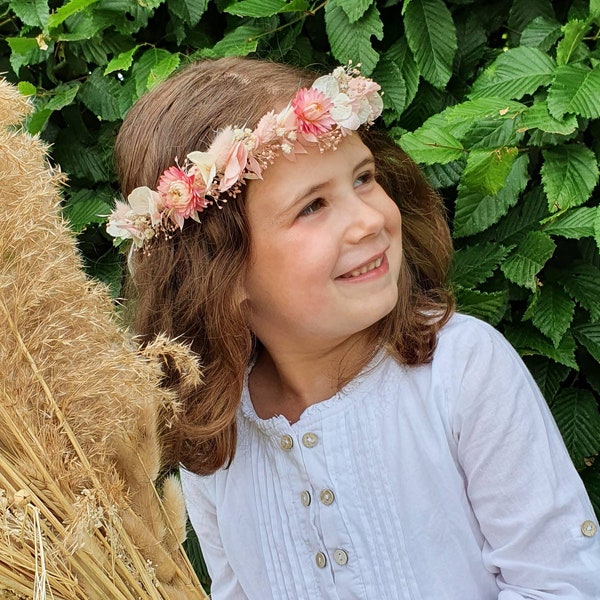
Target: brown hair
<point x="190" y="287"/>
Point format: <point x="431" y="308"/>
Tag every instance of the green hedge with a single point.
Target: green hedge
<point x="498" y="101"/>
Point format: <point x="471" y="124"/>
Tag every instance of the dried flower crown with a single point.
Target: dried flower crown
<point x="335" y="105"/>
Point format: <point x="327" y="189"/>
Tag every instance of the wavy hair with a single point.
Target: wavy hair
<point x="190" y="287"/>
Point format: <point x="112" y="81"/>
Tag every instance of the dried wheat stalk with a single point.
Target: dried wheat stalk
<point x="81" y="516"/>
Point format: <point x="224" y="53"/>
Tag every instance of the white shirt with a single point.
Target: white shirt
<point x="447" y="481"/>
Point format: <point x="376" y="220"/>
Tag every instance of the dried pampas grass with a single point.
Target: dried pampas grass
<point x="81" y="513"/>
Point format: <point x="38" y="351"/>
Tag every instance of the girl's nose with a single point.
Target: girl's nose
<point x="365" y="220"/>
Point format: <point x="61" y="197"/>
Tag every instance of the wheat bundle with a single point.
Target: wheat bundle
<point x="81" y="512"/>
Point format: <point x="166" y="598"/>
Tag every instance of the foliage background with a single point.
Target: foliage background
<point x="498" y="101"/>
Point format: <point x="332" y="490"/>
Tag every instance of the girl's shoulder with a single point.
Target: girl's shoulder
<point x="464" y="333"/>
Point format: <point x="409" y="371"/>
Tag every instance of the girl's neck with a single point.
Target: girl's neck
<point x="287" y="383"/>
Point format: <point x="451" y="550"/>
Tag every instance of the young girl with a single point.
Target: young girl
<point x="354" y="438"/>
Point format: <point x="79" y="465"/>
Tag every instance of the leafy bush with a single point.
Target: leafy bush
<point x="499" y="102"/>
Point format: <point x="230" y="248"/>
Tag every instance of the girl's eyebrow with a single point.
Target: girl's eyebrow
<point x="313" y="189"/>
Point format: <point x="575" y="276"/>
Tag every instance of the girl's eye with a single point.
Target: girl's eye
<point x="313" y="207"/>
<point x="364" y="178"/>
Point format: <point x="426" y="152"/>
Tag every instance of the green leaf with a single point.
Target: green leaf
<point x="474" y="264"/>
<point x="446" y="175"/>
<point x="588" y="334"/>
<point x="577" y="417"/>
<point x="240" y="42"/>
<point x="144" y="68"/>
<point x="574" y="31"/>
<point x="487" y="170"/>
<point x="547" y="373"/>
<point x="492" y="133"/>
<point x="37" y="121"/>
<point x="431" y="35"/>
<point x="539" y="117"/>
<point x="574" y="224"/>
<point x="523" y="13"/>
<point x="551" y="312"/>
<point x="102" y="95"/>
<point x="25" y="51"/>
<point x="591" y="478"/>
<point x="162" y="69"/>
<point x="352" y="41"/>
<point x="489" y="306"/>
<point x="576" y="89"/>
<point x="32" y="12"/>
<point x="87" y="206"/>
<point x="256" y="8"/>
<point x="429" y="145"/>
<point x="189" y="11"/>
<point x="122" y="62"/>
<point x="475" y="211"/>
<point x="528" y="340"/>
<point x="26" y="89"/>
<point x="582" y="283"/>
<point x="597" y="229"/>
<point x="541" y="33"/>
<point x="528" y="259"/>
<point x="387" y="74"/>
<point x="64" y="12"/>
<point x="355" y="9"/>
<point x="524" y="217"/>
<point x="595" y="9"/>
<point x="400" y="53"/>
<point x="62" y="96"/>
<point x="515" y="73"/>
<point x="569" y="174"/>
<point x="471" y="38"/>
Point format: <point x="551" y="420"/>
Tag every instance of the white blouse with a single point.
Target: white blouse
<point x="447" y="481"/>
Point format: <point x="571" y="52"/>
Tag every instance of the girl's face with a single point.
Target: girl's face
<point x="326" y="249"/>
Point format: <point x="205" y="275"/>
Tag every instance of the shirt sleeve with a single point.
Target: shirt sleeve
<point x="532" y="507"/>
<point x="202" y="514"/>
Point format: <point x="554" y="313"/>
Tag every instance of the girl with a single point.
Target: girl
<point x="354" y="438"/>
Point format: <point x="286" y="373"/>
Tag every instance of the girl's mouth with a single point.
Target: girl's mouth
<point x="371" y="266"/>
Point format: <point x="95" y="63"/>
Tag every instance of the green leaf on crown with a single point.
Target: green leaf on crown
<point x="32" y="12"/>
<point x="541" y="33"/>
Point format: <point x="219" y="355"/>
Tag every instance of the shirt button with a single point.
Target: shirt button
<point x="310" y="440"/>
<point x="305" y="498"/>
<point x="286" y="442"/>
<point x="588" y="528"/>
<point x="327" y="497"/>
<point x="321" y="560"/>
<point x="340" y="556"/>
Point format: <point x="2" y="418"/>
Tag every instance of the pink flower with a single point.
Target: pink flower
<point x="312" y="107"/>
<point x="235" y="165"/>
<point x="180" y="195"/>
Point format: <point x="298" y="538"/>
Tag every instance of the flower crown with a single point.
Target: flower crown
<point x="335" y="105"/>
